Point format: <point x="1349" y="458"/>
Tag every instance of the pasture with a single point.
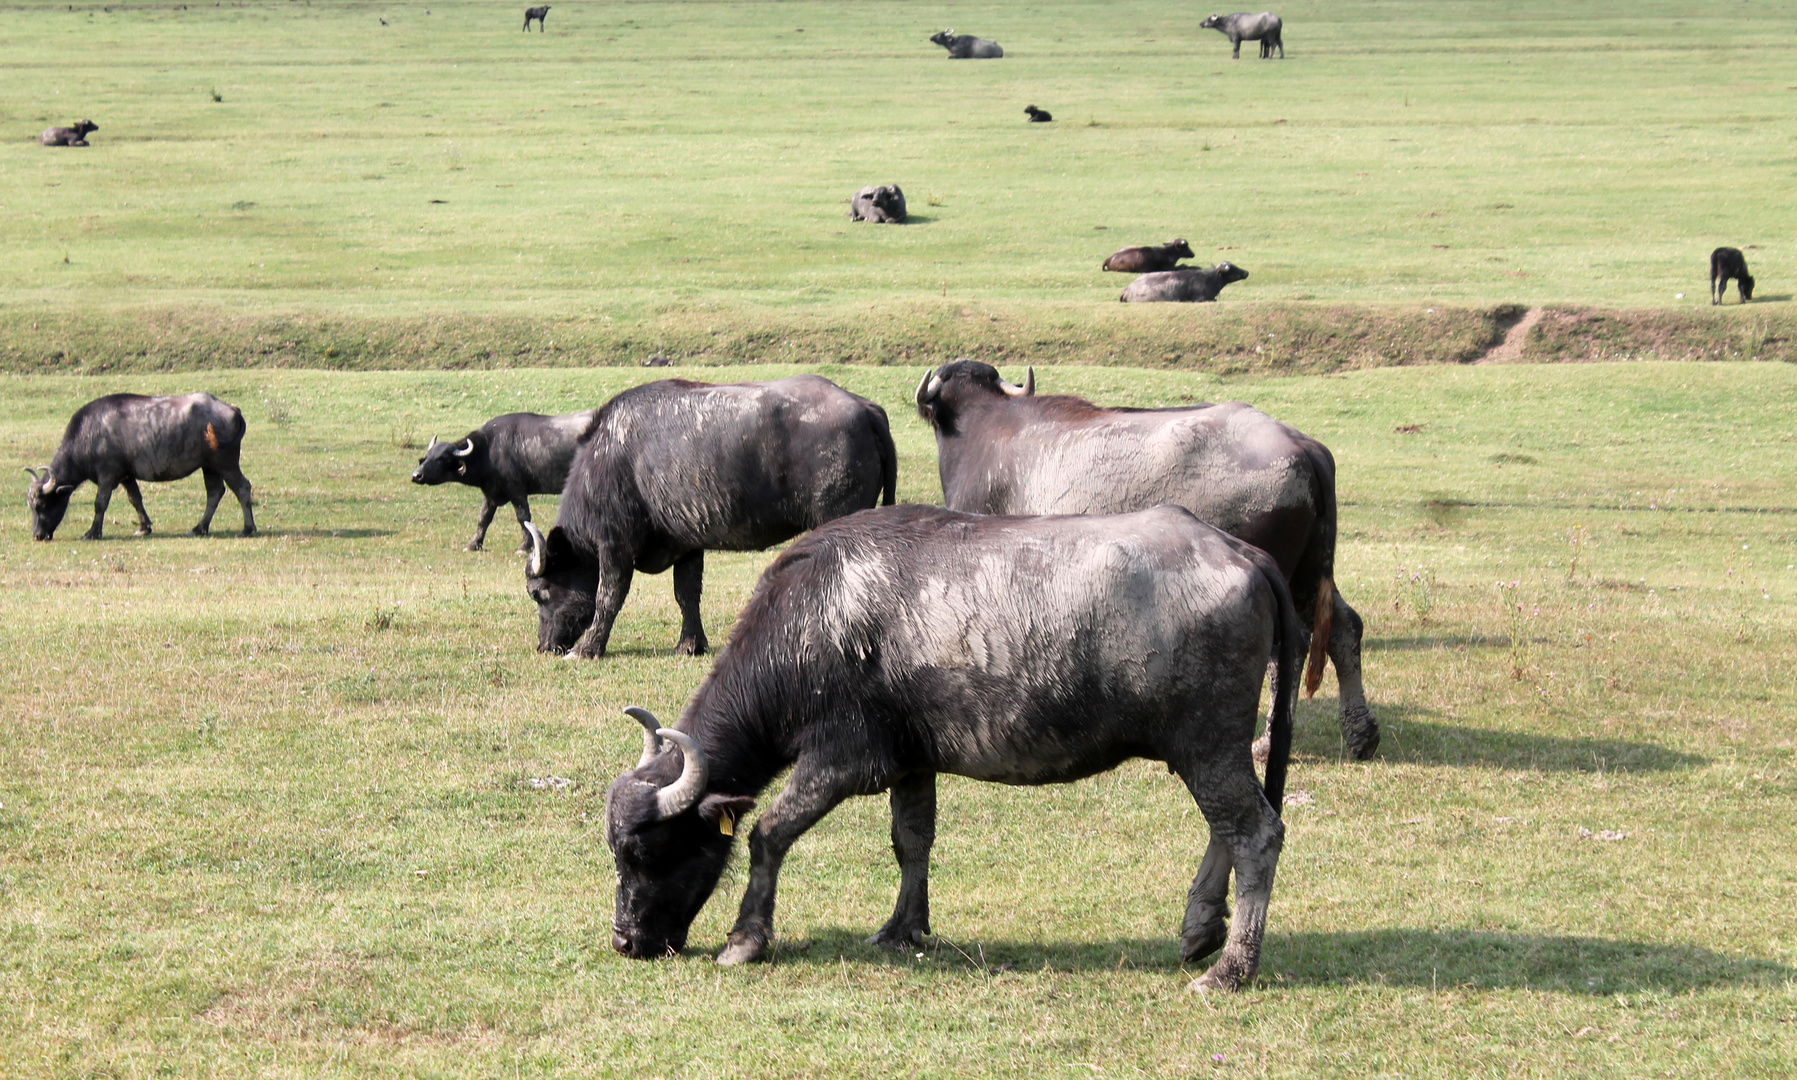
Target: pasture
<point x="298" y="183"/>
<point x="309" y="804"/>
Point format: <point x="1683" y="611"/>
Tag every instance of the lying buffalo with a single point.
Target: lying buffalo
<point x="121" y="439"/>
<point x="1188" y="286"/>
<point x="671" y="468"/>
<point x="1264" y="28"/>
<point x="1003" y="450"/>
<point x="900" y="643"/>
<point x="966" y="46"/>
<point x="69" y="136"/>
<point x="883" y="204"/>
<point x="509" y="458"/>
<point x="1149" y="259"/>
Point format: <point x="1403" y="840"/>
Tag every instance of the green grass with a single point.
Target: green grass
<point x="652" y="175"/>
<point x="265" y="804"/>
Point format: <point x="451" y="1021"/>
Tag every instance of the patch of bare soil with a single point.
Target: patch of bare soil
<point x="1516" y="335"/>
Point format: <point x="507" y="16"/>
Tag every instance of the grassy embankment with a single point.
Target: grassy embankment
<point x="268" y="806"/>
<point x="297" y="185"/>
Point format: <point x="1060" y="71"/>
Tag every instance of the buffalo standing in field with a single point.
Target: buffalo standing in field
<point x="1003" y="450"/>
<point x="509" y="458"/>
<point x="1147" y="260"/>
<point x="900" y="643"/>
<point x="121" y="439"/>
<point x="1187" y="286"/>
<point x="1726" y="263"/>
<point x="966" y="46"/>
<point x="882" y="204"/>
<point x="670" y="469"/>
<point x="1264" y="28"/>
<point x="69" y="136"/>
<point x="537" y="13"/>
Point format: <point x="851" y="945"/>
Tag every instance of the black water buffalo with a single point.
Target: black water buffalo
<point x="509" y="458"/>
<point x="1264" y="28"/>
<point x="1003" y="450"/>
<point x="883" y="204"/>
<point x="966" y="46"/>
<point x="1187" y="286"/>
<point x="1147" y="260"/>
<point x="1725" y="263"/>
<point x="121" y="439"/>
<point x="1038" y="116"/>
<point x="69" y="136"/>
<point x="672" y="468"/>
<point x="899" y="643"/>
<point x="537" y="13"/>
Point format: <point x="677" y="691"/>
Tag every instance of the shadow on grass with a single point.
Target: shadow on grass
<point x="1441" y="959"/>
<point x="1424" y="642"/>
<point x="1406" y="738"/>
<point x="1773" y="298"/>
<point x="325" y="534"/>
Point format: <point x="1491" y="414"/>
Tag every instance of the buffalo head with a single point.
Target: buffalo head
<point x="954" y="386"/>
<point x="1181" y="249"/>
<point x="1228" y="272"/>
<point x="443" y="462"/>
<point x="564" y="586"/>
<point x="48" y="502"/>
<point x="669" y="839"/>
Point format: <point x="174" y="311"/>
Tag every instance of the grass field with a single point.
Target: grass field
<point x="267" y="806"/>
<point x="673" y="176"/>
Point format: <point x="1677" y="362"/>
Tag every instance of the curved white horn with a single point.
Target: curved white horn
<point x="1029" y="381"/>
<point x="1011" y="389"/>
<point x="651" y="741"/>
<point x="923" y="387"/>
<point x="31" y="471"/>
<point x="432" y="446"/>
<point x="539" y="550"/>
<point x="464" y="451"/>
<point x="680" y="795"/>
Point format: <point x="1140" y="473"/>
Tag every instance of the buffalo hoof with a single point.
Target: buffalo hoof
<point x="586" y="651"/>
<point x="199" y="530"/>
<point x="891" y="937"/>
<point x="1205" y="942"/>
<point x="91" y="534"/>
<point x="690" y="647"/>
<point x="475" y="545"/>
<point x="1263" y="748"/>
<point x="1217" y="978"/>
<point x="249" y="530"/>
<point x="142" y="530"/>
<point x="743" y="949"/>
<point x="1361" y="732"/>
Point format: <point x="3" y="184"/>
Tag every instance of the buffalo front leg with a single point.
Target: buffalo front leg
<point x="137" y="504"/>
<point x="1360" y="731"/>
<point x="809" y="795"/>
<point x="689" y="583"/>
<point x="614" y="586"/>
<point x="913" y="834"/>
<point x="215" y="491"/>
<point x="102" y="499"/>
<point x="1241" y="819"/>
<point x="487" y="509"/>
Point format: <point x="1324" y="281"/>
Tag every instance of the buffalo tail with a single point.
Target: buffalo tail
<point x="1288" y="637"/>
<point x="1319" y="636"/>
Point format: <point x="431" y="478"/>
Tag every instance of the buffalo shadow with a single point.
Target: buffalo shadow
<point x="1398" y="956"/>
<point x="1408" y="739"/>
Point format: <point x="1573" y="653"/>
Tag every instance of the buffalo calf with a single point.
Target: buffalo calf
<point x="69" y="136"/>
<point x="1726" y="263"/>
<point x="537" y="13"/>
<point x="1146" y="260"/>
<point x="509" y="458"/>
<point x="1037" y="116"/>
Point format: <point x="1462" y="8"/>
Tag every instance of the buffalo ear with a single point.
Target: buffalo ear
<point x="65" y="489"/>
<point x="725" y="811"/>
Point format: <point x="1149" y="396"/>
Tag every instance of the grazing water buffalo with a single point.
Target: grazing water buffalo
<point x="900" y="643"/>
<point x="69" y="136"/>
<point x="1003" y="450"/>
<point x="509" y="458"/>
<point x="1725" y="263"/>
<point x="1187" y="286"/>
<point x="672" y="468"/>
<point x="966" y="46"/>
<point x="1038" y="116"/>
<point x="1264" y="28"/>
<point x="883" y="204"/>
<point x="1145" y="260"/>
<point x="537" y="13"/>
<point x="121" y="439"/>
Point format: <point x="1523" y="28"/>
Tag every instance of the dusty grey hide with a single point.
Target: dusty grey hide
<point x="69" y="136"/>
<point x="1003" y="450"/>
<point x="908" y="641"/>
<point x="509" y="458"/>
<point x="967" y="47"/>
<point x="1189" y="286"/>
<point x="1148" y="259"/>
<point x="1242" y="26"/>
<point x="123" y="439"/>
<point x="670" y="469"/>
<point x="537" y="13"/>
<point x="883" y="204"/>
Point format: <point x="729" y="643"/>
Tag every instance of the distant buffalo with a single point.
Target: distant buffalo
<point x="536" y="13"/>
<point x="1182" y="286"/>
<point x="1241" y="26"/>
<point x="121" y="439"/>
<point x="1037" y="116"/>
<point x="883" y="205"/>
<point x="967" y="47"/>
<point x="1725" y="263"/>
<point x="69" y="136"/>
<point x="509" y="458"/>
<point x="1147" y="260"/>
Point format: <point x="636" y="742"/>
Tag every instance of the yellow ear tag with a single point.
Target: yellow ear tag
<point x="725" y="825"/>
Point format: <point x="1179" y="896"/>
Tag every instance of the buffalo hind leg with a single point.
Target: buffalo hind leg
<point x="102" y="499"/>
<point x="487" y="509"/>
<point x="521" y="507"/>
<point x="240" y="487"/>
<point x="689" y="583"/>
<point x="614" y="586"/>
<point x="1360" y="731"/>
<point x="215" y="492"/>
<point x="137" y="504"/>
<point x="913" y="834"/>
<point x="809" y="794"/>
<point x="1240" y="819"/>
<point x="1206" y="924"/>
